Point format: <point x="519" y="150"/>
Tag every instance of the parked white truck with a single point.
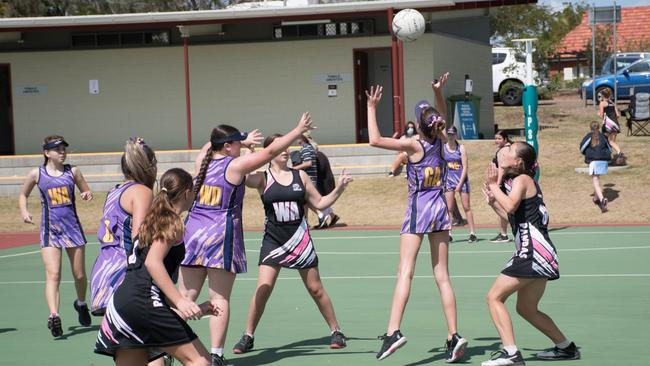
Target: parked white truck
<point x="508" y="75"/>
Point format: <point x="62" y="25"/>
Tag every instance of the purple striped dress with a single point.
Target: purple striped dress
<point x="115" y="243"/>
<point x="214" y="237"/>
<point x="455" y="170"/>
<point x="426" y="211"/>
<point x="60" y="225"/>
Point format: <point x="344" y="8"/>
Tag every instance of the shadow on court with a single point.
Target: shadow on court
<point x="6" y="330"/>
<point x="559" y="228"/>
<point x="307" y="348"/>
<point x="76" y="330"/>
<point x="470" y="351"/>
<point x="609" y="192"/>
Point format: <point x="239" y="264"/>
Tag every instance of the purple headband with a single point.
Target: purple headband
<point x="433" y="119"/>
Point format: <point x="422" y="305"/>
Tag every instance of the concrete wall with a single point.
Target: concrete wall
<point x="264" y="85"/>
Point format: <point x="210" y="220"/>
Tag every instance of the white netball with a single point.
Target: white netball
<point x="408" y="25"/>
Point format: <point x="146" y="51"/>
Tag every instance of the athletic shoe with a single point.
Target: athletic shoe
<point x="451" y="238"/>
<point x="391" y="174"/>
<point x="595" y="200"/>
<point x="391" y="344"/>
<point x="569" y="353"/>
<point x="334" y="218"/>
<point x="456" y="223"/>
<point x="84" y="314"/>
<point x="337" y="341"/>
<point x="502" y="358"/>
<point x="322" y="222"/>
<point x="500" y="238"/>
<point x="244" y="345"/>
<point x="603" y="205"/>
<point x="472" y="238"/>
<point x="217" y="360"/>
<point x="54" y="325"/>
<point x="455" y="348"/>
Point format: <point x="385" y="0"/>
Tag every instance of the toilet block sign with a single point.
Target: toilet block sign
<point x="93" y="86"/>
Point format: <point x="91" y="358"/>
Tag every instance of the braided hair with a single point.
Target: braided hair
<point x="218" y="132"/>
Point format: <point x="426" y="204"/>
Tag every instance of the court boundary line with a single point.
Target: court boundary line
<point x="382" y="277"/>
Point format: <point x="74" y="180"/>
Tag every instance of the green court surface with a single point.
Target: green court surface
<point x="602" y="301"/>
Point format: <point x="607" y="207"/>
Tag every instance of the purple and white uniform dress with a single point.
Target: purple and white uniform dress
<point x="535" y="255"/>
<point x="426" y="210"/>
<point x="455" y="170"/>
<point x="115" y="243"/>
<point x="60" y="225"/>
<point x="214" y="237"/>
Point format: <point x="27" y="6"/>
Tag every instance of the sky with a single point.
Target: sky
<point x="557" y="4"/>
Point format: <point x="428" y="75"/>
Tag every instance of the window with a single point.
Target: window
<point x="327" y="30"/>
<point x="640" y="67"/>
<point x="498" y="58"/>
<point x="117" y="39"/>
<point x="520" y="57"/>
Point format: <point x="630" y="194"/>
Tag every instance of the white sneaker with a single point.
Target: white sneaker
<point x="502" y="358"/>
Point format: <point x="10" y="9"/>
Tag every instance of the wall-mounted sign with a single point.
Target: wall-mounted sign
<point x="31" y="90"/>
<point x="93" y="86"/>
<point x="331" y="91"/>
<point x="334" y="78"/>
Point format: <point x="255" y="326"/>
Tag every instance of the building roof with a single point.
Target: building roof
<point x="297" y="10"/>
<point x="634" y="27"/>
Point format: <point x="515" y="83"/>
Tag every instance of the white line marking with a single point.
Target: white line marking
<point x="381" y="277"/>
<point x="561" y="250"/>
<point x="469" y="252"/>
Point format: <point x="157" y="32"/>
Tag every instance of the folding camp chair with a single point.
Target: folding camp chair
<point x="638" y="115"/>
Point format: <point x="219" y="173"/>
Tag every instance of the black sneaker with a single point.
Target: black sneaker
<point x="334" y="218"/>
<point x="569" y="353"/>
<point x="451" y="238"/>
<point x="391" y="174"/>
<point x="244" y="345"/>
<point x="500" y="238"/>
<point x="217" y="360"/>
<point x="54" y="325"/>
<point x="472" y="238"/>
<point x="455" y="348"/>
<point x="322" y="222"/>
<point x="84" y="314"/>
<point x="337" y="341"/>
<point x="391" y="344"/>
<point x="502" y="358"/>
<point x="603" y="205"/>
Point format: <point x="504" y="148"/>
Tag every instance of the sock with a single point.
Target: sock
<point x="52" y="315"/>
<point x="217" y="351"/>
<point x="510" y="349"/>
<point x="563" y="345"/>
<point x="249" y="334"/>
<point x="335" y="330"/>
<point x="80" y="303"/>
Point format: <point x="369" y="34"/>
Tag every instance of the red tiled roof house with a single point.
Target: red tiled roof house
<point x="572" y="58"/>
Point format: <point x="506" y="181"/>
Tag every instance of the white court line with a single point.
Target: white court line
<point x="378" y="277"/>
<point x="420" y="253"/>
<point x="470" y="252"/>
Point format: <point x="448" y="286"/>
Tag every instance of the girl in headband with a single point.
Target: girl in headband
<point x="60" y="226"/>
<point x="426" y="214"/>
<point x="214" y="237"/>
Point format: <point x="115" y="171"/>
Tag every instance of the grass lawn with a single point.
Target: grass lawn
<point x="382" y="200"/>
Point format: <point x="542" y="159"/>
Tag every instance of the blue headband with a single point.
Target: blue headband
<point x="54" y="144"/>
<point x="239" y="136"/>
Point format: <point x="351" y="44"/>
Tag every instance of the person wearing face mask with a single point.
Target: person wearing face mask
<point x="402" y="158"/>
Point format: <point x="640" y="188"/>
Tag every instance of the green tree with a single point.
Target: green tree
<point x="535" y="21"/>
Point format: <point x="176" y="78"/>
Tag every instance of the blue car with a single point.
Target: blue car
<point x="634" y="78"/>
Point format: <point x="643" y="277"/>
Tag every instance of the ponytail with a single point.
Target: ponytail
<point x="595" y="134"/>
<point x="162" y="222"/>
<point x="200" y="177"/>
<point x="528" y="156"/>
<point x="139" y="162"/>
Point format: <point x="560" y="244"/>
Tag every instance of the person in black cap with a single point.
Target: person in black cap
<point x="60" y="226"/>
